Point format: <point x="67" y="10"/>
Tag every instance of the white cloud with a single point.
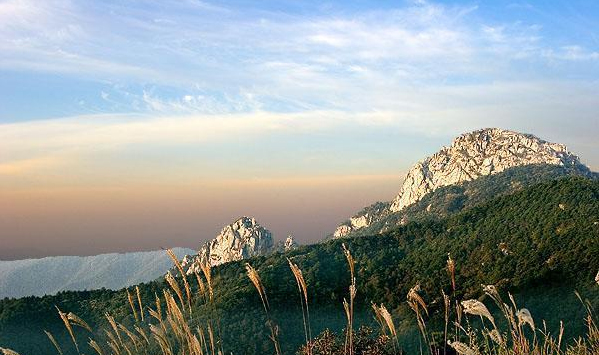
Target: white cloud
<point x="440" y="111"/>
<point x="572" y="53"/>
<point x="228" y="52"/>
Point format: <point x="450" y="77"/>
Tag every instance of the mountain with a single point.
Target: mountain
<point x="242" y="239"/>
<point x="50" y="275"/>
<point x="539" y="243"/>
<point x="471" y="156"/>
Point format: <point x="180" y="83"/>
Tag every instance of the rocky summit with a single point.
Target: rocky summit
<point x="239" y="240"/>
<point x="479" y="153"/>
<point x="470" y="156"/>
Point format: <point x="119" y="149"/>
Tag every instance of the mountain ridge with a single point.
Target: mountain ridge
<point x="470" y="156"/>
<point x="478" y="153"/>
<point x="53" y="274"/>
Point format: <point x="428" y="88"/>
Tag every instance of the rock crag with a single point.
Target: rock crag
<point x="479" y="153"/>
<point x="242" y="239"/>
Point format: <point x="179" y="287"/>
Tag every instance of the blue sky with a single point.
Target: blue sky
<point x="63" y="58"/>
<point x="141" y="96"/>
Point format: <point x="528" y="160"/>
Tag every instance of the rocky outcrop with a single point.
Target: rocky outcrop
<point x="479" y="153"/>
<point x="287" y="245"/>
<point x="240" y="240"/>
<point x="470" y="156"/>
<point x="343" y="230"/>
<point x="362" y="219"/>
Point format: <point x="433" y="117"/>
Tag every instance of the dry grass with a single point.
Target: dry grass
<point x="386" y="323"/>
<point x="349" y="308"/>
<point x="183" y="276"/>
<point x="53" y="341"/>
<point x="133" y="309"/>
<point x="141" y="308"/>
<point x="8" y="351"/>
<point x="303" y="293"/>
<point x="67" y="324"/>
<point x="451" y="271"/>
<point x="274" y="328"/>
<point x="417" y="304"/>
<point x="520" y="337"/>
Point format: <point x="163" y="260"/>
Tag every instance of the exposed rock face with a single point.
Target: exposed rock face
<point x="362" y="219"/>
<point x="479" y="153"/>
<point x="286" y="245"/>
<point x="241" y="239"/>
<point x="342" y="230"/>
<point x="470" y="156"/>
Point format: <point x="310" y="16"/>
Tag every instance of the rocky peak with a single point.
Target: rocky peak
<point x="475" y="154"/>
<point x="242" y="239"/>
<point x="239" y="240"/>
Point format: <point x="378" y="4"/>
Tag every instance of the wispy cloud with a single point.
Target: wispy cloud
<point x="25" y="166"/>
<point x="193" y="71"/>
<point x="199" y="57"/>
<point x="572" y="53"/>
<point x="437" y="113"/>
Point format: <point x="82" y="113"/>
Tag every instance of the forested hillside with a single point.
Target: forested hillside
<point x="448" y="200"/>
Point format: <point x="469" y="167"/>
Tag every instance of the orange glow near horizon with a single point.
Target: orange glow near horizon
<point x="85" y="220"/>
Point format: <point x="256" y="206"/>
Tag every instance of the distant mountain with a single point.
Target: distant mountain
<point x="515" y="159"/>
<point x="50" y="275"/>
<point x="242" y="239"/>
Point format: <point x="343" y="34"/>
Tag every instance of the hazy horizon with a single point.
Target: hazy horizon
<point x="129" y="126"/>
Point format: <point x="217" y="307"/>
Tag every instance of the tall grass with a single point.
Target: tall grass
<point x="8" y="352"/>
<point x="274" y="328"/>
<point x="303" y="293"/>
<point x="169" y="325"/>
<point x="349" y="307"/>
<point x="521" y="336"/>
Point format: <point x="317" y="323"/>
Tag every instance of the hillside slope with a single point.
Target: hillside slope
<point x="540" y="243"/>
<point x="448" y="200"/>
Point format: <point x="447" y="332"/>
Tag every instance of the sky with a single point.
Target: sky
<point x="134" y="125"/>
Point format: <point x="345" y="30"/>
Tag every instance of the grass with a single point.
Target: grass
<point x="171" y="325"/>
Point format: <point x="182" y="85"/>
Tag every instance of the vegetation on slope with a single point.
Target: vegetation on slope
<point x="540" y="243"/>
<point x="448" y="200"/>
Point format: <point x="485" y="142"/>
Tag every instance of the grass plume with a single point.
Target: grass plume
<point x="349" y="307"/>
<point x="303" y="292"/>
<point x="257" y="282"/>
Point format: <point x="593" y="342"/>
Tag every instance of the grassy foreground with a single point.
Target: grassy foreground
<point x="170" y="326"/>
